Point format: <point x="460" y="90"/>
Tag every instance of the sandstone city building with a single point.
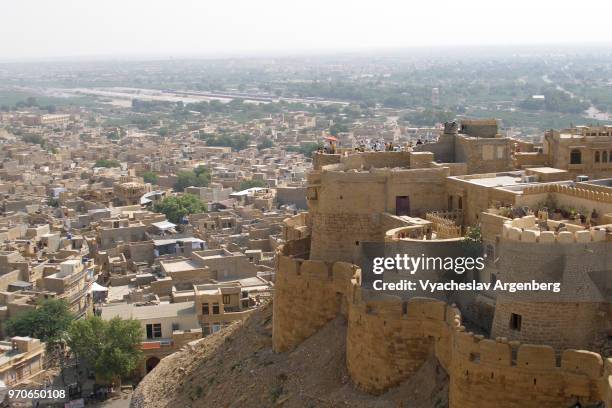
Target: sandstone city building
<point x="537" y="222"/>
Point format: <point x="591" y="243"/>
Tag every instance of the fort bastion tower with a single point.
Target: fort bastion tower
<point x="499" y="349"/>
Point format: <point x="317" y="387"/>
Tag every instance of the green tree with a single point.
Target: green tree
<point x="48" y="322"/>
<point x="306" y="149"/>
<point x="337" y="128"/>
<point x="111" y="347"/>
<point x="394" y="101"/>
<point x="177" y="207"/>
<point x="113" y="135"/>
<point x="236" y="142"/>
<point x="266" y="144"/>
<point x="472" y="244"/>
<point x="429" y="117"/>
<point x="53" y="202"/>
<point x="200" y="177"/>
<point x="149" y="177"/>
<point x="252" y="183"/>
<point x="31" y="101"/>
<point x="107" y="163"/>
<point x="34" y="139"/>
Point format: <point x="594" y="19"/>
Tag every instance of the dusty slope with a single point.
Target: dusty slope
<point x="236" y="367"/>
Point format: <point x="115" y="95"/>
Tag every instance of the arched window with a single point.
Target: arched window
<point x="575" y="157"/>
<point x="604" y="156"/>
<point x="460" y="203"/>
<point x="450" y="202"/>
<point x="597" y="158"/>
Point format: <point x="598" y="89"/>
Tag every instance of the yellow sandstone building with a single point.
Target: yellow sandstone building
<point x="499" y="349"/>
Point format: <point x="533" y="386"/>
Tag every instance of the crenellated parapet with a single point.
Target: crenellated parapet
<point x="499" y="373"/>
<point x="526" y="229"/>
<point x="388" y="340"/>
<point x="308" y="294"/>
<point x="571" y="190"/>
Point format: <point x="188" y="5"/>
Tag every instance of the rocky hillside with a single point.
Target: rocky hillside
<point x="236" y="367"/>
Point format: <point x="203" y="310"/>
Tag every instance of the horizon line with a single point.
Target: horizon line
<point x="305" y="52"/>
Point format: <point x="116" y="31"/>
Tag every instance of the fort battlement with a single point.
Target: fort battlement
<point x="525" y="229"/>
<point x="389" y="338"/>
<point x="346" y="206"/>
<point x="575" y="191"/>
<point x="308" y="294"/>
<point x="492" y="373"/>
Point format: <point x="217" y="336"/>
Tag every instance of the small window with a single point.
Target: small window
<point x="227" y="299"/>
<point x="215" y="308"/>
<point x="205" y="309"/>
<point x="597" y="158"/>
<point x="493" y="279"/>
<point x="154" y="331"/>
<point x="515" y="322"/>
<point x="575" y="157"/>
<point x="604" y="157"/>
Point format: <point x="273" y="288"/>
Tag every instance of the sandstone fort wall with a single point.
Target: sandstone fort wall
<point x="388" y="339"/>
<point x="345" y="207"/>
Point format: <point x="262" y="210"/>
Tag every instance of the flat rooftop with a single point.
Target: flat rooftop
<point x="116" y="293"/>
<point x="254" y="283"/>
<point x="162" y="310"/>
<point x="179" y="266"/>
<point x="497" y="181"/>
<point x="546" y="170"/>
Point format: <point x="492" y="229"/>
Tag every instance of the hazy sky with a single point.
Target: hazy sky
<point x="52" y="28"/>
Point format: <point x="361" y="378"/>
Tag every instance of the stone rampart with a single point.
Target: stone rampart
<point x="525" y="230"/>
<point x="498" y="373"/>
<point x="307" y="295"/>
<point x="388" y="339"/>
<point x="581" y="192"/>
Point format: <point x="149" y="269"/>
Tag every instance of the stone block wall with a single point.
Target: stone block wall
<point x="556" y="324"/>
<point x="346" y="207"/>
<point x="498" y="373"/>
<point x="389" y="339"/>
<point x="320" y="159"/>
<point x="307" y="295"/>
<point x="549" y="237"/>
<point x="337" y="236"/>
<point x="182" y="337"/>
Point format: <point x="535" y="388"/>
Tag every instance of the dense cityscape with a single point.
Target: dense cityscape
<point x="201" y="231"/>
